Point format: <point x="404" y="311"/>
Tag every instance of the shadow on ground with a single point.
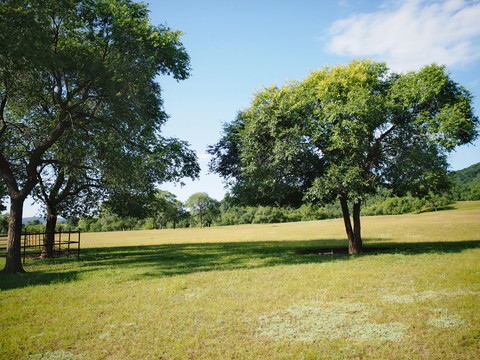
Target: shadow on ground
<point x="139" y="262"/>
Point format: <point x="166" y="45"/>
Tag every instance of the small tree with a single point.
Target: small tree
<point x="165" y="208"/>
<point x="201" y="205"/>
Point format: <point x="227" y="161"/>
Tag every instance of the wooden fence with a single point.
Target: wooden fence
<point x="65" y="243"/>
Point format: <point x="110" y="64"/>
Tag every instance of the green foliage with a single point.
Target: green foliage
<point x="87" y="224"/>
<point x="224" y="215"/>
<point x="271" y="172"/>
<point x="475" y="193"/>
<point x="4" y="223"/>
<point x="165" y="209"/>
<point x="34" y="226"/>
<point x="268" y="215"/>
<point x="72" y="222"/>
<point x="203" y="207"/>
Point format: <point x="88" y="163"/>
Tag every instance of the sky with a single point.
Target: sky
<point x="237" y="47"/>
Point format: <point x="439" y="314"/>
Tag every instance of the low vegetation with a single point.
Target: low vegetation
<point x="465" y="186"/>
<point x="276" y="291"/>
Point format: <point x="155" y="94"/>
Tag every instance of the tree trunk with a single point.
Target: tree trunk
<point x="49" y="237"/>
<point x="346" y="219"/>
<point x="13" y="262"/>
<point x="353" y="233"/>
<point x="357" y="235"/>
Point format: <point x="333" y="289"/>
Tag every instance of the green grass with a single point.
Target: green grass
<point x="247" y="292"/>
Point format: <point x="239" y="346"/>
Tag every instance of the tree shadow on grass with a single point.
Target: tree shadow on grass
<point x="14" y="281"/>
<point x="140" y="262"/>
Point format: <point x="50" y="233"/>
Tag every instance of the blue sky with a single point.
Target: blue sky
<point x="236" y="47"/>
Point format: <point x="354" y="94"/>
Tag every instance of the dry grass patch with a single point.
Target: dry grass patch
<point x="329" y="322"/>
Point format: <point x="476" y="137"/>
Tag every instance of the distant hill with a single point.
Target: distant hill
<point x="466" y="183"/>
<point x="41" y="219"/>
<point x="31" y="218"/>
<point x="470" y="175"/>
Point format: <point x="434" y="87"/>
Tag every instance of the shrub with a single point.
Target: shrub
<point x="268" y="215"/>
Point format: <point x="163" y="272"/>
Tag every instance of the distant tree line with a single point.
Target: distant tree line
<point x="169" y="213"/>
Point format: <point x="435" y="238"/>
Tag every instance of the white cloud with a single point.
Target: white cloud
<point x="410" y="34"/>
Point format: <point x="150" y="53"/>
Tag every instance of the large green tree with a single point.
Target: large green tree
<point x="362" y="126"/>
<point x="81" y="69"/>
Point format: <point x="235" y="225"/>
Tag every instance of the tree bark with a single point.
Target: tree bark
<point x="49" y="237"/>
<point x="353" y="233"/>
<point x="357" y="235"/>
<point x="346" y="219"/>
<point x="13" y="262"/>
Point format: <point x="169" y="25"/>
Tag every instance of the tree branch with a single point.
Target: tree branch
<point x="3" y="105"/>
<point x="7" y="175"/>
<point x="68" y="164"/>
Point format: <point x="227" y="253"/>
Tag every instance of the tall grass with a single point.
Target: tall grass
<point x="255" y="292"/>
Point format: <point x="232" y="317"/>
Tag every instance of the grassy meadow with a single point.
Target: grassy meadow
<point x="282" y="291"/>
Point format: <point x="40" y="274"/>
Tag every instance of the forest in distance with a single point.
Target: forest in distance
<point x="171" y="213"/>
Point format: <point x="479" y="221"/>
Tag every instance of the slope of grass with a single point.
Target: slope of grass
<point x="255" y="292"/>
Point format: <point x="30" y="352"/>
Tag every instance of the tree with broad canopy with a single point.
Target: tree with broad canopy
<point x="345" y="132"/>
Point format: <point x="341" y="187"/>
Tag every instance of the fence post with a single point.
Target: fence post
<point x="59" y="241"/>
<point x="68" y="245"/>
<point x="24" y="244"/>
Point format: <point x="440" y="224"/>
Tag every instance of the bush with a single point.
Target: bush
<point x="474" y="193"/>
<point x="268" y="215"/>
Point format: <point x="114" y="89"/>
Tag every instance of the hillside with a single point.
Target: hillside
<point x="466" y="183"/>
<point x="470" y="175"/>
<point x="26" y="220"/>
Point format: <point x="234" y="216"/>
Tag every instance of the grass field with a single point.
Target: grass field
<point x="255" y="292"/>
